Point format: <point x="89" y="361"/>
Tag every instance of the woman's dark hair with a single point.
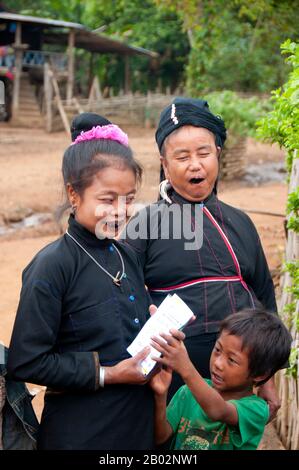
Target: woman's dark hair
<point x="265" y="337"/>
<point x="85" y="121"/>
<point x="82" y="161"/>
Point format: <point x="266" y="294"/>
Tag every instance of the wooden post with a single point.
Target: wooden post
<point x="59" y="103"/>
<point x="48" y="93"/>
<point x="127" y="75"/>
<point x="71" y="61"/>
<point x="148" y="110"/>
<point x="95" y="94"/>
<point x="90" y="78"/>
<point x="78" y="106"/>
<point x="18" y="67"/>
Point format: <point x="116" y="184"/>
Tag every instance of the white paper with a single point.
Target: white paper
<point x="172" y="313"/>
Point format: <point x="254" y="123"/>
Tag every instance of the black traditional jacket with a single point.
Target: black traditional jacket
<point x="71" y="318"/>
<point x="226" y="273"/>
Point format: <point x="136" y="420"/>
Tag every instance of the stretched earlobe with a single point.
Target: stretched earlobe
<point x="163" y="188"/>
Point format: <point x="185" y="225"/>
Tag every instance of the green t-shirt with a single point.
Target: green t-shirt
<point x="193" y="429"/>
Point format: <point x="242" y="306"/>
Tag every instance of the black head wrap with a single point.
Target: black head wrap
<point x="189" y="111"/>
<point x="86" y="121"/>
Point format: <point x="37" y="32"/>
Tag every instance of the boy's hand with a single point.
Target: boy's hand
<point x="172" y="348"/>
<point x="161" y="381"/>
<point x="268" y="392"/>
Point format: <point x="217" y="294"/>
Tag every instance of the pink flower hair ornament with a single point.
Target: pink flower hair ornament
<point x="109" y="132"/>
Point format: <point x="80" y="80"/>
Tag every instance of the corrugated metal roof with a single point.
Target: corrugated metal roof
<point x="97" y="43"/>
<point x="84" y="38"/>
<point x="37" y="20"/>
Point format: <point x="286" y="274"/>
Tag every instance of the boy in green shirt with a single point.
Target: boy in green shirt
<point x="222" y="413"/>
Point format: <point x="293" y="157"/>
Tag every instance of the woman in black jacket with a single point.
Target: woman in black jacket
<point x="211" y="255"/>
<point x="82" y="303"/>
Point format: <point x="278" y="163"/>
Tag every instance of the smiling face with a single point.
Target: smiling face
<point x="229" y="365"/>
<point x="103" y="207"/>
<point x="191" y="162"/>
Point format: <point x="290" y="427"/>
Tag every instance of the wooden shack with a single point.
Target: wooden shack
<point x="29" y="44"/>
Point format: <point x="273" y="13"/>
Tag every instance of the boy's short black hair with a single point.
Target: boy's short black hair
<point x="265" y="337"/>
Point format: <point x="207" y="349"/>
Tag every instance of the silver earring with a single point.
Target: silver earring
<point x="163" y="188"/>
<point x="74" y="208"/>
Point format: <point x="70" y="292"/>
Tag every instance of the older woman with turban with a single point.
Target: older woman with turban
<point x="225" y="270"/>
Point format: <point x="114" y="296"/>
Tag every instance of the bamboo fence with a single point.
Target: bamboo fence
<point x="287" y="423"/>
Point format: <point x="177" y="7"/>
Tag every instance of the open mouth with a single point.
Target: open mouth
<point x="196" y="180"/>
<point x="115" y="225"/>
<point x="216" y="379"/>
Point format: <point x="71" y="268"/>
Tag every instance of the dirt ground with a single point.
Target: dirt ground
<point x="30" y="182"/>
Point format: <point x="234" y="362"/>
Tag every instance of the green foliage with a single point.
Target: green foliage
<point x="288" y="311"/>
<point x="145" y="25"/>
<point x="235" y="43"/>
<point x="293" y="208"/>
<point x="293" y="269"/>
<point x="210" y="44"/>
<point x="239" y="114"/>
<point x="293" y="202"/>
<point x="293" y="224"/>
<point x="282" y="125"/>
<point x="292" y="370"/>
<point x="71" y="10"/>
<point x="227" y="57"/>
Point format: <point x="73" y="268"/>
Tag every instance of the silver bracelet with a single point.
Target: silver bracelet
<point x="102" y="377"/>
